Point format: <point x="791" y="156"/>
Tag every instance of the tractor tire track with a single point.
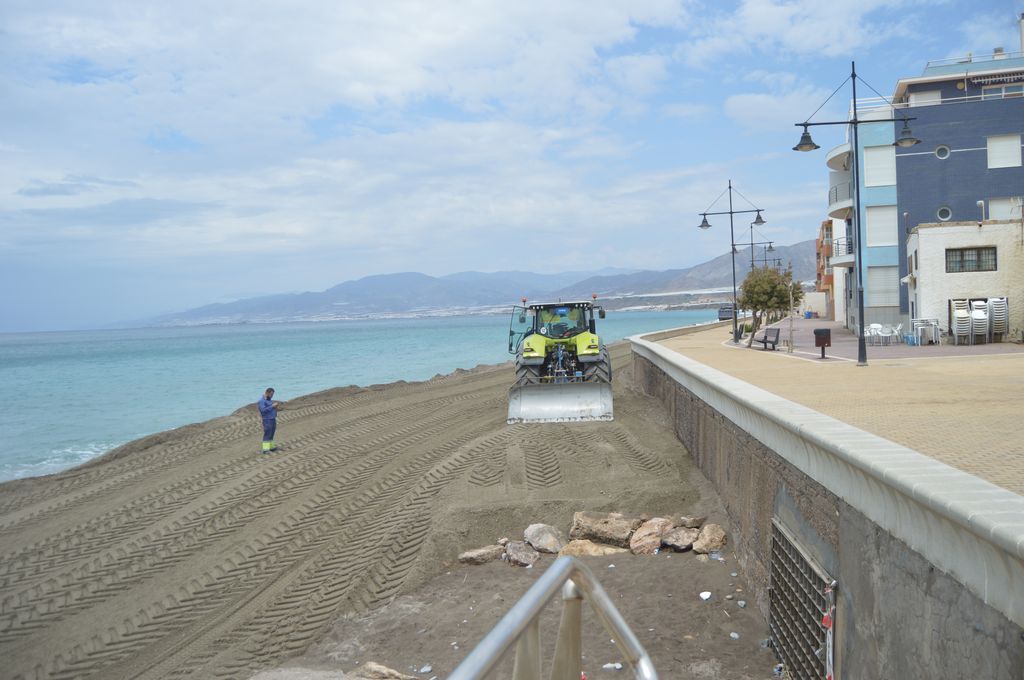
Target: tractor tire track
<point x="190" y="556"/>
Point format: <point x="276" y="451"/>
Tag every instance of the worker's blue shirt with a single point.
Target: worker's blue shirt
<point x="267" y="409"/>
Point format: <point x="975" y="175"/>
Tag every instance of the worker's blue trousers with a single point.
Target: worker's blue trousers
<point x="269" y="427"/>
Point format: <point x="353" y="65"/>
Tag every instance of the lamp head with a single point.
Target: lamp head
<point x="704" y="223"/>
<point x="771" y="247"/>
<point x="906" y="138"/>
<point x="806" y="143"/>
<point x="758" y="221"/>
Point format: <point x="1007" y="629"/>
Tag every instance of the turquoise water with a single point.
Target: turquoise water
<point x="71" y="396"/>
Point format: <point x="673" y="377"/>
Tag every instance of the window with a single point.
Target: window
<point x="882" y="225"/>
<point x="971" y="259"/>
<point x="1000" y="91"/>
<point x="1005" y="208"/>
<point x="925" y="98"/>
<point x="942" y="152"/>
<point x="915" y="260"/>
<point x="944" y="213"/>
<point x="1003" y="151"/>
<point x="883" y="289"/>
<point x="880" y="165"/>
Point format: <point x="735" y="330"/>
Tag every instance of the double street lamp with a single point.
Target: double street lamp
<point x="758" y="221"/>
<point x="904" y="140"/>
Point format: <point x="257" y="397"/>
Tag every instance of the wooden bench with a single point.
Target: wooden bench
<point x="769" y="337"/>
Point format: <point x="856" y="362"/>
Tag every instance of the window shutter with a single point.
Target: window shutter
<point x="925" y="98"/>
<point x="1004" y="208"/>
<point x="1003" y="151"/>
<point x="882" y="225"/>
<point x="883" y="286"/>
<point x="880" y="165"/>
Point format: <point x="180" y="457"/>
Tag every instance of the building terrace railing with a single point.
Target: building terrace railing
<point x="842" y="246"/>
<point x="839" y="192"/>
<point x="972" y="59"/>
<point x="875" y="104"/>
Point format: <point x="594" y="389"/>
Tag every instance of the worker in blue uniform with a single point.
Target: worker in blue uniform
<point x="268" y="412"/>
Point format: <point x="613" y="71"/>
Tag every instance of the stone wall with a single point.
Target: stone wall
<point x="899" y="615"/>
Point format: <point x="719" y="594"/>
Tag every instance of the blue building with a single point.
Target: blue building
<point x="968" y="114"/>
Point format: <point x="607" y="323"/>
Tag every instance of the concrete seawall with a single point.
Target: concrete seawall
<point x="929" y="560"/>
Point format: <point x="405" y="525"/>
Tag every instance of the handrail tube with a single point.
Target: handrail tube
<point x="522" y="615"/>
<point x="568" y="660"/>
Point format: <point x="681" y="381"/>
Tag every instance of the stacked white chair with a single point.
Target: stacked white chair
<point x="999" y="316"/>
<point x="961" y="322"/>
<point x="979" y="319"/>
<point x="884" y="334"/>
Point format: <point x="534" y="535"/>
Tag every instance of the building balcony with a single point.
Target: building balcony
<point x="838" y="159"/>
<point x="842" y="252"/>
<point x="840" y="200"/>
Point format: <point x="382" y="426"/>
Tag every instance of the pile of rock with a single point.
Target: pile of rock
<point x="597" y="533"/>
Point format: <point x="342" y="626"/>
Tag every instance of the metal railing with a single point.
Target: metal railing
<point x="873" y="104"/>
<point x="839" y="192"/>
<point x="842" y="246"/>
<point x="973" y="59"/>
<point x="521" y="627"/>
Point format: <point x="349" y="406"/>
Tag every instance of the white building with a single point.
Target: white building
<point x="966" y="261"/>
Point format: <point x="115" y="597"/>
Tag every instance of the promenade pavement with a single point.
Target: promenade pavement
<point x="962" y="405"/>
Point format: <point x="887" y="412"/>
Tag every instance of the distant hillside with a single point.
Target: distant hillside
<point x="716" y="273"/>
<point x="412" y="293"/>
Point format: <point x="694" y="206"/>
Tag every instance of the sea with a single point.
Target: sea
<point x="71" y="396"/>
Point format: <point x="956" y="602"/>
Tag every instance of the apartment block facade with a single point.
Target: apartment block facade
<point x="969" y="117"/>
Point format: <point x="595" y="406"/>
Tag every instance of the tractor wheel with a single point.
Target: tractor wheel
<point x="601" y="371"/>
<point x="526" y="375"/>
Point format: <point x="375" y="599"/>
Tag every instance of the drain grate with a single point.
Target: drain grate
<point x="797" y="601"/>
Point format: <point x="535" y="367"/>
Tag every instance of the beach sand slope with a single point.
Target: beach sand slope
<point x="189" y="554"/>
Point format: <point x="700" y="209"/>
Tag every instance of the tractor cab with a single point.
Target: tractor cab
<point x="554" y="320"/>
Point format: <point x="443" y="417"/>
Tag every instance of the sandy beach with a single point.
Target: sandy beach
<point x="188" y="554"/>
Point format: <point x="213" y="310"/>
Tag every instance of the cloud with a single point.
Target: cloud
<point x="796" y="27"/>
<point x="771" y="111"/>
<point x="982" y="32"/>
<point x="70" y="185"/>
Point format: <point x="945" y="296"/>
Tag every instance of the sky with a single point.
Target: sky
<point x="158" y="156"/>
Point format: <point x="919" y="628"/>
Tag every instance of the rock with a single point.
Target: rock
<point x="680" y="539"/>
<point x="520" y="554"/>
<point x="483" y="555"/>
<point x="712" y="537"/>
<point x="584" y="548"/>
<point x="375" y="671"/>
<point x="691" y="522"/>
<point x="544" y="537"/>
<point x="612" y="528"/>
<point x="646" y="540"/>
<point x="502" y="542"/>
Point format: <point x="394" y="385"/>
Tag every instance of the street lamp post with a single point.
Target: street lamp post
<point x="732" y="245"/>
<point x="905" y="139"/>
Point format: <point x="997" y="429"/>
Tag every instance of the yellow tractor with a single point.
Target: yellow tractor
<point x="563" y="371"/>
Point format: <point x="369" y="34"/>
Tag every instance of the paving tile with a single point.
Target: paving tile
<point x="960" y="405"/>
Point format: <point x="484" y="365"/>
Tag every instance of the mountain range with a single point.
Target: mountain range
<point x="416" y="294"/>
